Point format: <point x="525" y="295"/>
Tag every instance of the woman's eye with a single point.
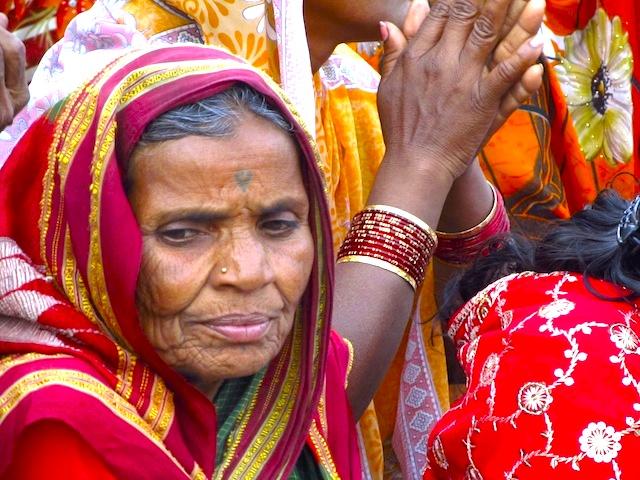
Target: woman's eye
<point x="279" y="227"/>
<point x="178" y="235"/>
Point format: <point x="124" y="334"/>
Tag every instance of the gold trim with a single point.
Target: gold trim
<point x="473" y="230"/>
<point x="350" y="362"/>
<point x="380" y="264"/>
<point x="12" y="361"/>
<point x="323" y="451"/>
<point x="88" y="385"/>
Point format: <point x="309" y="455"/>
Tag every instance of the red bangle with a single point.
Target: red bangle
<point x="461" y="248"/>
<point x="392" y="239"/>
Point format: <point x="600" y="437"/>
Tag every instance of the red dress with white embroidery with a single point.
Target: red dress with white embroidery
<point x="553" y="384"/>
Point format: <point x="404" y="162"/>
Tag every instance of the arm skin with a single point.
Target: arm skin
<point x="434" y="119"/>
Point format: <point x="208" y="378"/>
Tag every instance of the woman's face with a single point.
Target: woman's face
<point x="227" y="249"/>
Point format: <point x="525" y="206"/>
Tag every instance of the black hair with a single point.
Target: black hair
<point x="587" y="244"/>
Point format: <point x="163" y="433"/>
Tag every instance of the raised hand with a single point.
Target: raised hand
<point x="14" y="92"/>
<point x="439" y="100"/>
<point x="521" y="25"/>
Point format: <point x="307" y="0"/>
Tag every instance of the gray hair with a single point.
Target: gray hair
<point x="215" y="116"/>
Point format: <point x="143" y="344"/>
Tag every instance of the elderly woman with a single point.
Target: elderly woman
<point x="344" y="118"/>
<point x="168" y="275"/>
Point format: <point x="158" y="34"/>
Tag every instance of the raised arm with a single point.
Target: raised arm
<point x="437" y="105"/>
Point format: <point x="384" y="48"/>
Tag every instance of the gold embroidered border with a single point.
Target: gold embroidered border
<point x="9" y="362"/>
<point x="323" y="451"/>
<point x="87" y="385"/>
<point x="161" y="407"/>
<point x="350" y="364"/>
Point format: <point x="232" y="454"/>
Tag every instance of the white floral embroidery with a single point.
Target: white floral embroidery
<point x="490" y="369"/>
<point x="472" y="474"/>
<point x="600" y="442"/>
<point x="534" y="398"/>
<point x="471" y="350"/>
<point x="556" y="309"/>
<point x="438" y="453"/>
<point x="624" y="338"/>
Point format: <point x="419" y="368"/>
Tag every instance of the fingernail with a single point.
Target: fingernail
<point x="537" y="41"/>
<point x="384" y="31"/>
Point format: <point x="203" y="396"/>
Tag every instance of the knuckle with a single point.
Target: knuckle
<point x="484" y="29"/>
<point x="464" y="10"/>
<point x="410" y="56"/>
<point x="439" y="11"/>
<point x="433" y="67"/>
<point x="21" y="100"/>
<point x="6" y="118"/>
<point x="506" y="71"/>
<point x="478" y="103"/>
<point x="15" y="50"/>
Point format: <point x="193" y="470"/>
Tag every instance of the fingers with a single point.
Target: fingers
<point x="394" y="44"/>
<point x="4" y="21"/>
<point x="418" y="11"/>
<point x="431" y="29"/>
<point x="486" y="29"/>
<point x="461" y="20"/>
<point x="515" y="10"/>
<point x="527" y="25"/>
<point x="14" y="92"/>
<point x="508" y="72"/>
<point x="522" y="91"/>
<point x="6" y="103"/>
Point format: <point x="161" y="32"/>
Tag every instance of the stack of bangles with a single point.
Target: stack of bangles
<point x="392" y="239"/>
<point x="397" y="241"/>
<point x="461" y="248"/>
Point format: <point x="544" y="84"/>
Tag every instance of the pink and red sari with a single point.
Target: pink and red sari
<point x="71" y="348"/>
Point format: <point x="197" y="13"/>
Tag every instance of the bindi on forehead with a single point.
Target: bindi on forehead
<point x="243" y="179"/>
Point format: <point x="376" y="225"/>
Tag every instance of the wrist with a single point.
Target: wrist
<point x="419" y="188"/>
<point x="469" y="201"/>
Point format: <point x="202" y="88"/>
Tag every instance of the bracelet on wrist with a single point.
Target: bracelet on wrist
<point x="460" y="248"/>
<point x="392" y="239"/>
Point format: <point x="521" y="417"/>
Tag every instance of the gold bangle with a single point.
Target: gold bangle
<point x="407" y="216"/>
<point x="475" y="229"/>
<point x="380" y="264"/>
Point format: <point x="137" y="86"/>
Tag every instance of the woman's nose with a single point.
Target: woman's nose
<point x="245" y="263"/>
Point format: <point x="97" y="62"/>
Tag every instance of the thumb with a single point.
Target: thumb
<point x="394" y="44"/>
<point x="4" y="21"/>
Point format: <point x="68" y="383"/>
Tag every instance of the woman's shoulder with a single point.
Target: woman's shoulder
<point x="38" y="386"/>
<point x="37" y="389"/>
<point x="546" y="295"/>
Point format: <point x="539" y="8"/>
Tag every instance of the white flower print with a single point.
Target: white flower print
<point x="595" y="75"/>
<point x="256" y="11"/>
<point x="472" y="473"/>
<point x="438" y="453"/>
<point x="556" y="309"/>
<point x="624" y="338"/>
<point x="600" y="442"/>
<point x="534" y="398"/>
<point x="489" y="369"/>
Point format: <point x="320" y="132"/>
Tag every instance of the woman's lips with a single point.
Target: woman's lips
<point x="240" y="328"/>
